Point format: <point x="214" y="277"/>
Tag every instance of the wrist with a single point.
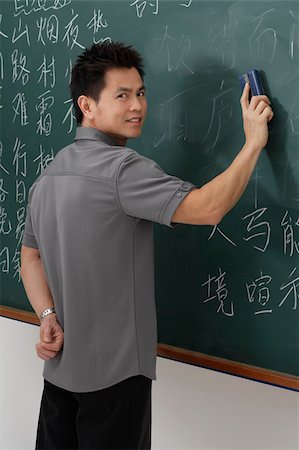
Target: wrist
<point x="47" y="312"/>
<point x="253" y="148"/>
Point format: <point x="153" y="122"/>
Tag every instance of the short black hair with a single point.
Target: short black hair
<point x="88" y="73"/>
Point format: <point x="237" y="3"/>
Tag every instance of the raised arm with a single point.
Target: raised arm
<point x="209" y="204"/>
<point x="39" y="295"/>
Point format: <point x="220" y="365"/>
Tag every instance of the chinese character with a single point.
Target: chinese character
<point x="20" y="191"/>
<point x="4" y="260"/>
<point x="69" y="116"/>
<point x="221" y="114"/>
<point x="50" y="27"/>
<point x="263" y="40"/>
<point x="176" y="49"/>
<point x="5" y="227"/>
<point x="20" y="159"/>
<point x="20" y="109"/>
<point x="186" y="4"/>
<point x="216" y="228"/>
<point x="220" y="43"/>
<point x="261" y="231"/>
<point x="142" y="4"/>
<point x="25" y="32"/>
<point x="3" y="192"/>
<point x="44" y="124"/>
<point x="1" y="154"/>
<point x="1" y="32"/>
<point x="19" y="70"/>
<point x="97" y="23"/>
<point x="43" y="160"/>
<point x="293" y="289"/>
<point x="47" y="71"/>
<point x="289" y="242"/>
<point x="16" y="260"/>
<point x="220" y="293"/>
<point x="71" y="33"/>
<point x="174" y="119"/>
<point x="259" y="292"/>
<point x="21" y="215"/>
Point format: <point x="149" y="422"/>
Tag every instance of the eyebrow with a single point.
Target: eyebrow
<point x="125" y="89"/>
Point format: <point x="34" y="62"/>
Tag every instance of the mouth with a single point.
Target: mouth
<point x="135" y="120"/>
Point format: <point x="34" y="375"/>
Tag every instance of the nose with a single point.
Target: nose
<point x="136" y="104"/>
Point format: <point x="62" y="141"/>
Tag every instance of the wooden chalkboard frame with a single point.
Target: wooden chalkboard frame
<point x="195" y="358"/>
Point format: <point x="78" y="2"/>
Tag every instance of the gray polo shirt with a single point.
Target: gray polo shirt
<point x="90" y="215"/>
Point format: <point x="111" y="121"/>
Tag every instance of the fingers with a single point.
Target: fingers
<point x="245" y="96"/>
<point x="257" y="99"/>
<point x="267" y="114"/>
<point x="46" y="351"/>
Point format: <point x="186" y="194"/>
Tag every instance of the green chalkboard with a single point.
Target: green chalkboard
<point x="229" y="291"/>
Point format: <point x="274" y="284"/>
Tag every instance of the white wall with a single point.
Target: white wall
<point x="193" y="408"/>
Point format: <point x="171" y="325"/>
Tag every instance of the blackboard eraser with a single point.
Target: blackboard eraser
<point x="253" y="77"/>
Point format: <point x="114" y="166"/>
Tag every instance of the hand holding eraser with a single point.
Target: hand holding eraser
<point x="253" y="77"/>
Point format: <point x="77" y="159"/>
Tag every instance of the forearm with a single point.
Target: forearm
<point x="223" y="192"/>
<point x="35" y="282"/>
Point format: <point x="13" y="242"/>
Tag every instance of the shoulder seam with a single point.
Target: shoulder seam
<point x="80" y="175"/>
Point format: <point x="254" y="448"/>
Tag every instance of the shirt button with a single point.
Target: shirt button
<point x="185" y="186"/>
<point x="179" y="194"/>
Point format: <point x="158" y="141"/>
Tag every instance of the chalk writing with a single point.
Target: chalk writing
<point x="43" y="160"/>
<point x="2" y="34"/>
<point x="44" y="124"/>
<point x="20" y="158"/>
<point x="3" y="192"/>
<point x="216" y="289"/>
<point x="47" y="72"/>
<point x="215" y="229"/>
<point x="176" y="50"/>
<point x="4" y="260"/>
<point x="293" y="286"/>
<point x="19" y="106"/>
<point x="28" y="6"/>
<point x="21" y="32"/>
<point x="69" y="116"/>
<point x="20" y="189"/>
<point x="71" y="33"/>
<point x="1" y="154"/>
<point x="220" y="40"/>
<point x="187" y="4"/>
<point x="263" y="40"/>
<point x="68" y="70"/>
<point x="21" y="214"/>
<point x="142" y="4"/>
<point x="174" y="119"/>
<point x="5" y="225"/>
<point x="16" y="261"/>
<point x="220" y="115"/>
<point x="19" y="70"/>
<point x="293" y="116"/>
<point x="48" y="29"/>
<point x="260" y="231"/>
<point x="290" y="244"/>
<point x="258" y="292"/>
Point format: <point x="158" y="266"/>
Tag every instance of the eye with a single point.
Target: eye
<point x="122" y="95"/>
<point x="141" y="94"/>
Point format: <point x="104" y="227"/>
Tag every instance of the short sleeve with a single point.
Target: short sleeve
<point x="145" y="191"/>
<point x="28" y="238"/>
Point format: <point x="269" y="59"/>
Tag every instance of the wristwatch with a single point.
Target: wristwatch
<point x="46" y="312"/>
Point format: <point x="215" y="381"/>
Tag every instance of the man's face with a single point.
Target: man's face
<point x="122" y="106"/>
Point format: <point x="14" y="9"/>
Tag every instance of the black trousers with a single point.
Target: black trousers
<point x="118" y="417"/>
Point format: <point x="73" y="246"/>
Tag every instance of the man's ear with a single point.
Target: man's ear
<point x="86" y="106"/>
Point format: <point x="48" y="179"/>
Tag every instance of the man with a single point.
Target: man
<point x="87" y="254"/>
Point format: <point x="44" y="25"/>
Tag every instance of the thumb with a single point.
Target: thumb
<point x="47" y="334"/>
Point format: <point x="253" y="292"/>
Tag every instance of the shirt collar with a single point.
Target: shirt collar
<point x="93" y="134"/>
